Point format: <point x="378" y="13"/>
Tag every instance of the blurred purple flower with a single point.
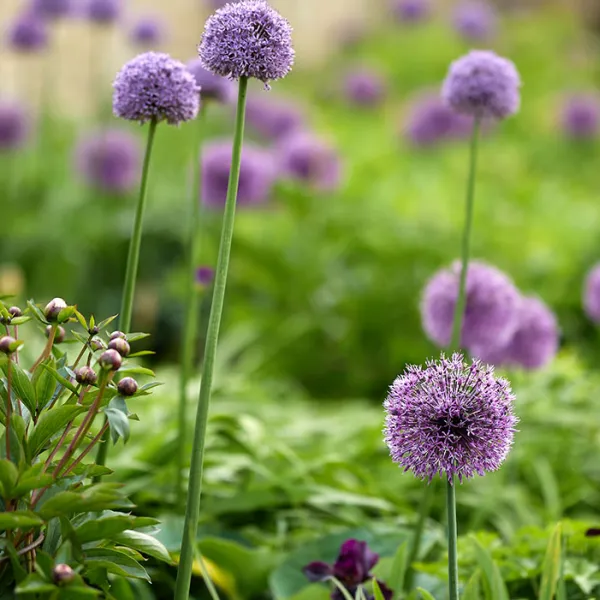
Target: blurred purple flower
<point x="212" y="87"/>
<point x="204" y="276"/>
<point x="148" y="32"/>
<point x="14" y="125"/>
<point x="364" y="87"/>
<point x="483" y="84"/>
<point x="306" y="158"/>
<point x="491" y="312"/>
<point x="451" y="419"/>
<point x="273" y="118"/>
<point x="109" y="160"/>
<point x="591" y="294"/>
<point x="257" y="174"/>
<point x="103" y="12"/>
<point x="475" y="20"/>
<point x="51" y="9"/>
<point x="411" y="11"/>
<point x="580" y="116"/>
<point x="28" y="33"/>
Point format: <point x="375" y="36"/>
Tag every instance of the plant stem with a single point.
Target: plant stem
<point x="87" y="449"/>
<point x="47" y="349"/>
<point x="190" y="325"/>
<point x="452" y="553"/>
<point x="8" y="406"/>
<point x="188" y="543"/>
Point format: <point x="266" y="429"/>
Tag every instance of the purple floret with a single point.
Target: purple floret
<point x="103" y="12"/>
<point x="28" y="33"/>
<point x="257" y="174"/>
<point x="212" y="87"/>
<point x="147" y="32"/>
<point x="580" y="116"/>
<point x="591" y="294"/>
<point x="155" y="86"/>
<point x="483" y="84"/>
<point x="273" y="118"/>
<point x="247" y="39"/>
<point x="109" y="160"/>
<point x="51" y="9"/>
<point x="204" y="276"/>
<point x="451" y="419"/>
<point x="492" y="306"/>
<point x="475" y="20"/>
<point x="14" y="125"/>
<point x="364" y="87"/>
<point x="411" y="11"/>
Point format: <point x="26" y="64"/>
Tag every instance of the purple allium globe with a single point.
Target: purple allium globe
<point x="491" y="311"/>
<point x="14" y="125"/>
<point x="204" y="276"/>
<point x="147" y="32"/>
<point x="28" y="33"/>
<point x="591" y="294"/>
<point x="411" y="11"/>
<point x="257" y="174"/>
<point x="109" y="160"/>
<point x="153" y="86"/>
<point x="451" y="419"/>
<point x="364" y="87"/>
<point x="484" y="85"/>
<point x="580" y="116"/>
<point x="51" y="9"/>
<point x="247" y="39"/>
<point x="306" y="158"/>
<point x="273" y="118"/>
<point x="475" y="20"/>
<point x="103" y="12"/>
<point x="212" y="87"/>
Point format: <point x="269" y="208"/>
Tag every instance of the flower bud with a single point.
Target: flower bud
<point x="53" y="308"/>
<point x="120" y="345"/>
<point x="15" y="311"/>
<point x="86" y="376"/>
<point x="117" y="334"/>
<point x="63" y="574"/>
<point x="94" y="330"/>
<point x="97" y="344"/>
<point x="110" y="360"/>
<point x="127" y="386"/>
<point x="6" y="343"/>
<point x="59" y="337"/>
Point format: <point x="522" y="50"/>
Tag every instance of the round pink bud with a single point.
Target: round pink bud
<point x="120" y="345"/>
<point x="53" y="308"/>
<point x="127" y="386"/>
<point x="5" y="344"/>
<point x="63" y="574"/>
<point x="110" y="360"/>
<point x="86" y="376"/>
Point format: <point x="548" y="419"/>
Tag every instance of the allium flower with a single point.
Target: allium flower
<point x="273" y="118"/>
<point x="14" y="125"/>
<point x="483" y="84"/>
<point x="257" y="174"/>
<point x="147" y="32"/>
<point x="580" y="116"/>
<point x="475" y="20"/>
<point x="212" y="87"/>
<point x="352" y="569"/>
<point x="28" y="33"/>
<point x="103" y="11"/>
<point x="154" y="86"/>
<point x="306" y="158"/>
<point x="491" y="312"/>
<point x="411" y="11"/>
<point x="51" y="9"/>
<point x="109" y="160"/>
<point x="591" y="294"/>
<point x="364" y="88"/>
<point x="204" y="276"/>
<point x="451" y="419"/>
<point x="247" y="39"/>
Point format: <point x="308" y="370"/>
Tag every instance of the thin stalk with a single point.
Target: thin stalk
<point x="8" y="406"/>
<point x="192" y="301"/>
<point x="452" y="535"/>
<point x="188" y="543"/>
<point x="47" y="349"/>
<point x="86" y="450"/>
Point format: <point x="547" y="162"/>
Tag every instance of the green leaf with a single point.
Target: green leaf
<point x="425" y="595"/>
<point x="495" y="587"/>
<point x="118" y="423"/>
<point x="45" y="383"/>
<point x="144" y="543"/>
<point x="103" y="324"/>
<point x="34" y="584"/>
<point x="18" y="519"/>
<point x="115" y="562"/>
<point x="472" y="590"/>
<point x="398" y="570"/>
<point x="68" y="533"/>
<point x="15" y="560"/>
<point x="63" y="381"/>
<point x="32" y="479"/>
<point x="82" y="320"/>
<point x="66" y="313"/>
<point x="8" y="478"/>
<point x="50" y="423"/>
<point x="377" y="590"/>
<point x="141" y="353"/>
<point x="20" y="320"/>
<point x="98" y="497"/>
<point x="552" y="565"/>
<point x="37" y="313"/>
<point x="136" y="337"/>
<point x="44" y="563"/>
<point x="109" y="525"/>
<point x="136" y="370"/>
<point x="21" y="385"/>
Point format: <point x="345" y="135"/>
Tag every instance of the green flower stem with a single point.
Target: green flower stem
<point x="8" y="405"/>
<point x="452" y="553"/>
<point x="192" y="302"/>
<point x="188" y="543"/>
<point x="133" y="259"/>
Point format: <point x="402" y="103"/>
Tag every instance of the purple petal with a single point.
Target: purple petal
<point x="317" y="571"/>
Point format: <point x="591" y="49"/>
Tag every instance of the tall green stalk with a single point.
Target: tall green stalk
<point x="133" y="259"/>
<point x="188" y="542"/>
<point x="452" y="535"/>
<point x="192" y="301"/>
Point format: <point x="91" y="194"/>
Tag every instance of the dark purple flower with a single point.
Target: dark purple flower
<point x="475" y="20"/>
<point x="591" y="294"/>
<point x="257" y="174"/>
<point x="580" y="116"/>
<point x="491" y="312"/>
<point x="154" y="86"/>
<point x="483" y="84"/>
<point x="212" y="87"/>
<point x="204" y="276"/>
<point x="109" y="160"/>
<point x="273" y="118"/>
<point x="306" y="158"/>
<point x="51" y="9"/>
<point x="247" y="39"/>
<point x="14" y="125"/>
<point x="411" y="11"/>
<point x="364" y="87"/>
<point x="103" y="12"/>
<point x="148" y="32"/>
<point x="449" y="419"/>
<point x="28" y="33"/>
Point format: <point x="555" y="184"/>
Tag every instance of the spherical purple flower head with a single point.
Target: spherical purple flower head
<point x="491" y="312"/>
<point x="306" y="158"/>
<point x="273" y="118"/>
<point x="451" y="419"/>
<point x="109" y="160"/>
<point x="580" y="117"/>
<point x="212" y="87"/>
<point x="154" y="86"/>
<point x="411" y="11"/>
<point x="51" y="9"/>
<point x="591" y="294"/>
<point x="147" y="31"/>
<point x="483" y="84"/>
<point x="257" y="174"/>
<point x="14" y="126"/>
<point x="103" y="12"/>
<point x="204" y="276"/>
<point x="475" y="20"/>
<point x="28" y="33"/>
<point x="247" y="39"/>
<point x="364" y="88"/>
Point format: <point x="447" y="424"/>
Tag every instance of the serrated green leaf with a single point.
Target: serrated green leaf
<point x="21" y="385"/>
<point x="50" y="423"/>
<point x="19" y="518"/>
<point x="118" y="424"/>
<point x="552" y="565"/>
<point x="144" y="543"/>
<point x="8" y="478"/>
